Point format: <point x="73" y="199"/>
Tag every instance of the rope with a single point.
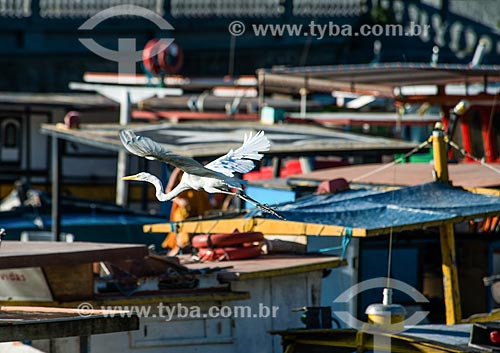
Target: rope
<point x="467" y="154"/>
<point x="389" y="257"/>
<point x="394" y="162"/>
<point x="346" y="239"/>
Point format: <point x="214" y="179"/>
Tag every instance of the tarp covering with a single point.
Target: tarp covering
<point x="371" y="209"/>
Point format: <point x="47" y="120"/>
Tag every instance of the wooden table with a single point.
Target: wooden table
<point x="270" y="266"/>
<point x="16" y="254"/>
<point x="33" y="323"/>
<point x="62" y="261"/>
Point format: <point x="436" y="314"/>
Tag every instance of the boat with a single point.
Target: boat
<point x="28" y="217"/>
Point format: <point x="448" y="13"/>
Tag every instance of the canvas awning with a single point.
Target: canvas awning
<point x="363" y="212"/>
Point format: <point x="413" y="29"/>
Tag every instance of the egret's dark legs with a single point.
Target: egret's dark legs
<point x="259" y="205"/>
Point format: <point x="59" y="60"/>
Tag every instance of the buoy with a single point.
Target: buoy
<point x="387" y="315"/>
<point x="150" y="57"/>
<point x="225" y="239"/>
<point x="171" y="58"/>
<point x="229" y="253"/>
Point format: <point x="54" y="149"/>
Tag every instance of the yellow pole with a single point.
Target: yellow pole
<point x="447" y="235"/>
<point x="450" y="275"/>
<point x="440" y="154"/>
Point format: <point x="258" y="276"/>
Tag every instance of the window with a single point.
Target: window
<point x="11" y="134"/>
<point x="10" y="141"/>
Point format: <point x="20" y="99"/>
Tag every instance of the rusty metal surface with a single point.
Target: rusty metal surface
<point x="465" y="174"/>
<point x="270" y="266"/>
<point x="15" y="254"/>
<point x="212" y="139"/>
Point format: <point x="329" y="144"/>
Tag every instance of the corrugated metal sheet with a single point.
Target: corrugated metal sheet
<point x="372" y="210"/>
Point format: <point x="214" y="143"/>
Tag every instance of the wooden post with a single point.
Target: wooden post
<point x="450" y="275"/>
<point x="447" y="235"/>
<point x="440" y="155"/>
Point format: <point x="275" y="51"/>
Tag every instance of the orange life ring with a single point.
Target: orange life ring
<point x="149" y="58"/>
<point x="225" y="239"/>
<point x="229" y="253"/>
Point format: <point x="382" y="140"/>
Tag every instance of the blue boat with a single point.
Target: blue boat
<point x="85" y="220"/>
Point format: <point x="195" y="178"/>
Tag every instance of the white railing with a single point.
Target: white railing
<point x="88" y="8"/>
<point x="329" y="8"/>
<point x="15" y="8"/>
<point x="227" y="8"/>
<point x="188" y="8"/>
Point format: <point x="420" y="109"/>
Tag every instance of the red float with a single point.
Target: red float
<point x="229" y="253"/>
<point x="225" y="239"/>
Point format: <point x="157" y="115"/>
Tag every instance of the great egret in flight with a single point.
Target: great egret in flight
<point x="215" y="177"/>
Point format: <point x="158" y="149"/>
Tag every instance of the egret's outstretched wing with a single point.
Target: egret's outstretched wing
<point x="147" y="148"/>
<point x="240" y="160"/>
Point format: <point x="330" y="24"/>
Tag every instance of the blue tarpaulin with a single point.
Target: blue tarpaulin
<point x="371" y="209"/>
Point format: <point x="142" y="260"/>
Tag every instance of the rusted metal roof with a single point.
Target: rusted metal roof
<point x="409" y="174"/>
<point x="374" y="78"/>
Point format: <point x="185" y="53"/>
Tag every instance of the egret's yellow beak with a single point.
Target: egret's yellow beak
<point x="130" y="177"/>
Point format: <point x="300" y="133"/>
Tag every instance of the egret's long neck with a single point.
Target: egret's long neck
<point x="160" y="195"/>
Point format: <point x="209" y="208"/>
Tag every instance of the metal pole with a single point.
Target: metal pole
<point x="276" y="167"/>
<point x="56" y="188"/>
<point x="84" y="344"/>
<point x="447" y="235"/>
<point x="303" y="102"/>
<point x="27" y="116"/>
<point x="122" y="167"/>
<point x="261" y="87"/>
<point x="232" y="44"/>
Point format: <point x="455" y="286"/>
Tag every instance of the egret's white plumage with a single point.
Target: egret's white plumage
<point x="215" y="177"/>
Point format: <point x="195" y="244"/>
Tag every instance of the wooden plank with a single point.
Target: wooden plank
<point x="15" y="254"/>
<point x="278" y="227"/>
<point x="80" y="287"/>
<point x="141" y="300"/>
<point x="266" y="226"/>
<point x="450" y="275"/>
<point x="272" y="266"/>
<point x="324" y="340"/>
<point x="30" y="323"/>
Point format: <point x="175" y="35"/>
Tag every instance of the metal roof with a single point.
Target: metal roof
<point x="374" y="78"/>
<point x="212" y="139"/>
<point x="66" y="100"/>
<point x="408" y="174"/>
<point x="376" y="118"/>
